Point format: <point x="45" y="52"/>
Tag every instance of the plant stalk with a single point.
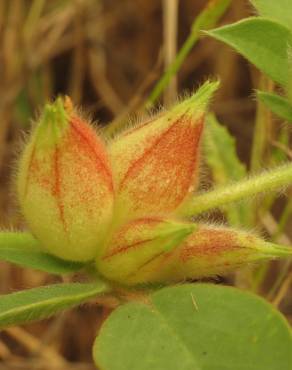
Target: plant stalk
<point x="268" y="181"/>
<point x="207" y="19"/>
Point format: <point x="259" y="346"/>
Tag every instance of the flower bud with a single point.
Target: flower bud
<point x="155" y="164"/>
<point x="138" y="243"/>
<point x="65" y="186"/>
<point x="207" y="252"/>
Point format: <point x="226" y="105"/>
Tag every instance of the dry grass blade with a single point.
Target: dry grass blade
<point x="170" y="20"/>
<point x="33" y="345"/>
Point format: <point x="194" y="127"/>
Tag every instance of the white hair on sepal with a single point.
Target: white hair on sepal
<point x="205" y="182"/>
<point x="134" y="121"/>
<point x="25" y="135"/>
<point x="19" y="147"/>
<point x="86" y="115"/>
<point x="20" y="144"/>
<point x="82" y="113"/>
<point x="10" y="228"/>
<point x="255" y="231"/>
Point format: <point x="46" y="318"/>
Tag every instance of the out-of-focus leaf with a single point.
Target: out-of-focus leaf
<point x="195" y="327"/>
<point x="278" y="104"/>
<point x="39" y="303"/>
<point x="280" y="11"/>
<point x="221" y="156"/>
<point x="22" y="109"/>
<point x="263" y="42"/>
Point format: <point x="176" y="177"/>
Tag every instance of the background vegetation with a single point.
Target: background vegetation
<point x="108" y="55"/>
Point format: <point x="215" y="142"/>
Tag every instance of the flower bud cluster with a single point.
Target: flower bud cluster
<point x="118" y="203"/>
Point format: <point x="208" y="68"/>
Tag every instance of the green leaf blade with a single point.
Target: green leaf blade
<point x="205" y="326"/>
<point x="133" y="352"/>
<point x="279" y="11"/>
<point x="38" y="260"/>
<point x="262" y="41"/>
<point x="23" y="249"/>
<point x="277" y="104"/>
<point x="221" y="153"/>
<point x="10" y="239"/>
<point x="43" y="302"/>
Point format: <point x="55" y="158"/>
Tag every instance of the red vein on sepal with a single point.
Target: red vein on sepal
<point x="136" y="128"/>
<point x="124" y="249"/>
<point x="145" y="154"/>
<point x="196" y="135"/>
<point x="74" y="121"/>
<point x="57" y="187"/>
<point x="152" y="259"/>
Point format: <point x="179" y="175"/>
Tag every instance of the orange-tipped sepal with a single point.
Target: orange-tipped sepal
<point x="155" y="164"/>
<point x="65" y="185"/>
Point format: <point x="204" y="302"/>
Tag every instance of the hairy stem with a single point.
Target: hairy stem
<point x="267" y="181"/>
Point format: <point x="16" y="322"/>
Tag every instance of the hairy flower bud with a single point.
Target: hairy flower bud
<point x="208" y="251"/>
<point x="137" y="244"/>
<point x="155" y="164"/>
<point x="65" y="186"/>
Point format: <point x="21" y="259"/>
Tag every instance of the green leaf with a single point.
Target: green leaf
<point x="195" y="327"/>
<point x="221" y="157"/>
<point x="280" y="11"/>
<point x="278" y="104"/>
<point x="23" y="250"/>
<point x="39" y="303"/>
<point x="10" y="239"/>
<point x="221" y="153"/>
<point x="262" y="41"/>
<point x="39" y="261"/>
